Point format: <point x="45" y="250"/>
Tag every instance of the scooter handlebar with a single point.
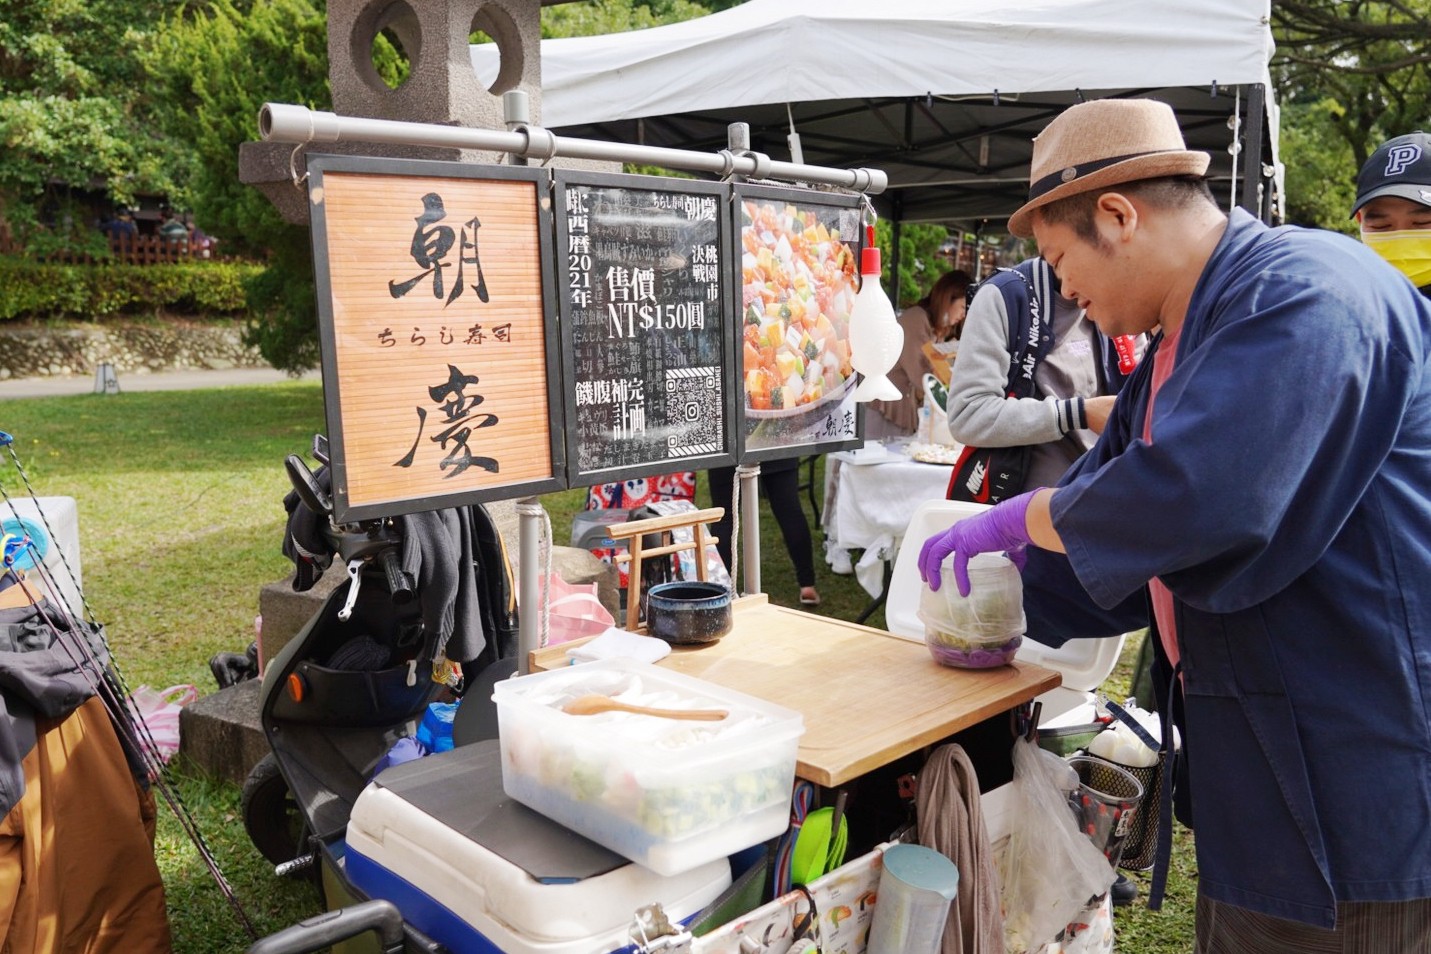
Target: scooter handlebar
<point x="333" y="926"/>
<point x="398" y="584"/>
<point x="306" y="485"/>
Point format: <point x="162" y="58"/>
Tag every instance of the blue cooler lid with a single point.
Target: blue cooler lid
<point x="39" y="539"/>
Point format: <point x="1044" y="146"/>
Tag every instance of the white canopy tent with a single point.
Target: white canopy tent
<point x="944" y="95"/>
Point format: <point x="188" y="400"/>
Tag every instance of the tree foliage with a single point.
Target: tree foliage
<point x="216" y="66"/>
<point x="1321" y="171"/>
<point x="919" y="261"/>
<point x="1372" y="58"/>
<point x="75" y="117"/>
<point x="1350" y="75"/>
<point x="618" y="16"/>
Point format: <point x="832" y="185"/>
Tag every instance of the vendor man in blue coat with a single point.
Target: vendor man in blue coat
<point x="1262" y="491"/>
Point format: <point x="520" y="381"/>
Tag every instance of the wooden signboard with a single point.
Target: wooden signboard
<point x="799" y="275"/>
<point x="437" y="321"/>
<point x="644" y="277"/>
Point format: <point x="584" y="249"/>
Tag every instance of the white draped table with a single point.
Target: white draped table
<point x="869" y="501"/>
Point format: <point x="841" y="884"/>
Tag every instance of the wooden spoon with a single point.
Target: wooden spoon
<point x="594" y="703"/>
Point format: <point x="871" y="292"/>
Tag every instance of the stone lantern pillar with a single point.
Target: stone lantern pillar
<point x="441" y="87"/>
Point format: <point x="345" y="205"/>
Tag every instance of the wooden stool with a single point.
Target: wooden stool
<point x="699" y="521"/>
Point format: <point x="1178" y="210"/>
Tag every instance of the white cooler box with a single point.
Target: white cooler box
<point x="30" y="516"/>
<point x="480" y="873"/>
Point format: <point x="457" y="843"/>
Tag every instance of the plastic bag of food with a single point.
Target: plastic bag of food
<point x="1053" y="870"/>
<point x="982" y="629"/>
<point x="158" y="710"/>
<point x="575" y="612"/>
<point x="936" y="399"/>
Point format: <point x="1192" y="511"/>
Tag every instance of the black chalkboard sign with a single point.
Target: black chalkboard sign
<point x="644" y="277"/>
<point x="799" y="273"/>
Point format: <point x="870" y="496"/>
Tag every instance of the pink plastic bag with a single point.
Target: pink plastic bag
<point x="159" y="709"/>
<point x="576" y="612"/>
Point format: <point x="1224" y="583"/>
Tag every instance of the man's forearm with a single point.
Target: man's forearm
<point x="1039" y="522"/>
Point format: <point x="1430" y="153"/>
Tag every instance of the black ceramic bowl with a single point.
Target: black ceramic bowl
<point x="688" y="612"/>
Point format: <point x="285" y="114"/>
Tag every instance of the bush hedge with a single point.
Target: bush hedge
<point x="43" y="290"/>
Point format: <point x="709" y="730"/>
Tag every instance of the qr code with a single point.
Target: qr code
<point x="693" y="408"/>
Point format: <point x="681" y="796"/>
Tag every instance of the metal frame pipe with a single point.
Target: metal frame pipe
<point x="750" y="522"/>
<point x="282" y="122"/>
<point x="529" y="581"/>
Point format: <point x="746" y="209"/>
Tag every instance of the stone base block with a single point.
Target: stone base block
<point x="221" y="733"/>
<point x="285" y="612"/>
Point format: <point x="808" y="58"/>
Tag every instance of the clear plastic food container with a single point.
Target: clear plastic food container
<point x="982" y="630"/>
<point x="668" y="794"/>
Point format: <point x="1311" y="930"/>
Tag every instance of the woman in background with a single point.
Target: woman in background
<point x="936" y="317"/>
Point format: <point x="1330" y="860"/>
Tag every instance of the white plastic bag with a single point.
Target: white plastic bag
<point x="159" y="709"/>
<point x="1053" y="869"/>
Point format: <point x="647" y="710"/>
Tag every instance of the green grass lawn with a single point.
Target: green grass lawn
<point x="181" y="518"/>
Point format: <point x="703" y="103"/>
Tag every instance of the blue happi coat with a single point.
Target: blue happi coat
<point x="1286" y="502"/>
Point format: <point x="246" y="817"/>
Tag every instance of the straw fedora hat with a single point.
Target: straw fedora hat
<point x="1102" y="143"/>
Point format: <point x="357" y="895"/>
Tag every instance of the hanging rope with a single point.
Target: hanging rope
<point x="1235" y="147"/>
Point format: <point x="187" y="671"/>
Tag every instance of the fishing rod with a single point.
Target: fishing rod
<point x="84" y="641"/>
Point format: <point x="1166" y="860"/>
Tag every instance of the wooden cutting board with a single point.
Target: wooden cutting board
<point x="867" y="697"/>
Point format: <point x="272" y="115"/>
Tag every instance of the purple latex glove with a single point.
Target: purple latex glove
<point x="1002" y="527"/>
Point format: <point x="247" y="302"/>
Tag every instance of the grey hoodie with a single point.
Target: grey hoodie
<point x="981" y="415"/>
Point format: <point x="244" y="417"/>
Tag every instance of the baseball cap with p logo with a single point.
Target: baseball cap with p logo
<point x="1400" y="167"/>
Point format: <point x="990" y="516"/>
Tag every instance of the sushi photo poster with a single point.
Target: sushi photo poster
<point x="799" y="273"/>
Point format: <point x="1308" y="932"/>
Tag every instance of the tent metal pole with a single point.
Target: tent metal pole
<point x="282" y="122"/>
<point x="1251" y="155"/>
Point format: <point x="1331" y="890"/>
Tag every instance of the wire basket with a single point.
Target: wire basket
<point x="1141" y="845"/>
